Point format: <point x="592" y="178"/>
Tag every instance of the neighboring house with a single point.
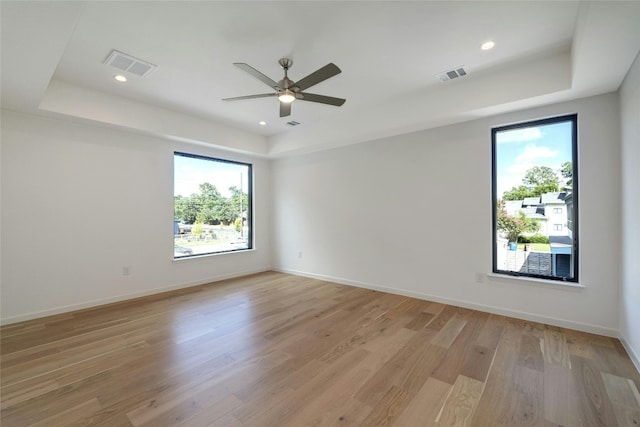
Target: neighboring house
<point x="512" y="207"/>
<point x="552" y="210"/>
<point x="568" y="200"/>
<point x="555" y="210"/>
<point x="549" y="209"/>
<point x="531" y="201"/>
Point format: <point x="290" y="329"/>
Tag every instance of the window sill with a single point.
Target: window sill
<point x="239" y="251"/>
<point x="532" y="281"/>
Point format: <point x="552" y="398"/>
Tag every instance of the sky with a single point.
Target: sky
<point x="190" y="172"/>
<point x="519" y="150"/>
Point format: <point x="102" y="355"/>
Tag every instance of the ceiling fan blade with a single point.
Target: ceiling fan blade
<point x="322" y="99"/>
<point x="285" y="109"/>
<point x="262" y="95"/>
<point x="257" y="74"/>
<point x="318" y="76"/>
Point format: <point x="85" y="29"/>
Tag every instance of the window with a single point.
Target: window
<point x="535" y="171"/>
<point x="211" y="205"/>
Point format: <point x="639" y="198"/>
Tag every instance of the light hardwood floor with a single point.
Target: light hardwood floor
<point x="280" y="350"/>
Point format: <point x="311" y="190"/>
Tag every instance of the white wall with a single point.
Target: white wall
<point x="80" y="202"/>
<point x="412" y="214"/>
<point x="630" y="283"/>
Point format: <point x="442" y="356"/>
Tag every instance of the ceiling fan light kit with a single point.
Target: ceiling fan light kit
<point x="288" y="90"/>
<point x="287" y="96"/>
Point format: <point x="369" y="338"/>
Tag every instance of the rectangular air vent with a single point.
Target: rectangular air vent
<point x="452" y="74"/>
<point x="293" y="123"/>
<point x="128" y="63"/>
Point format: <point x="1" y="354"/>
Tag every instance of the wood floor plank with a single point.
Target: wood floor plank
<point x="401" y="366"/>
<point x="477" y="363"/>
<point x="278" y="409"/>
<point x="426" y="405"/>
<point x="528" y="398"/>
<point x="624" y="397"/>
<point x="593" y="404"/>
<point x="496" y="402"/>
<point x="276" y="349"/>
<point x="460" y="351"/>
<point x="388" y="408"/>
<point x="554" y="348"/>
<point x="621" y="390"/>
<point x="187" y="399"/>
<point x="491" y="332"/>
<point x="48" y="405"/>
<point x="351" y="413"/>
<point x="557" y="394"/>
<point x="612" y="362"/>
<point x="327" y="406"/>
<point x="226" y="421"/>
<point x="24" y="393"/>
<point x="449" y="332"/>
<point x="71" y="416"/>
<point x="530" y="355"/>
<point x="460" y="405"/>
<point x="626" y="416"/>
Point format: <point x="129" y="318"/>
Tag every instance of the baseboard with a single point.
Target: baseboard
<point x="635" y="358"/>
<point x="584" y="327"/>
<point x="124" y="297"/>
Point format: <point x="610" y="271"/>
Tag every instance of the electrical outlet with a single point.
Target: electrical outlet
<point x="126" y="271"/>
<point x="479" y="278"/>
<point x="299" y="254"/>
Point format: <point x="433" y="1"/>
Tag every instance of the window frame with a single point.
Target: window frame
<point x="573" y="119"/>
<point x="250" y="222"/>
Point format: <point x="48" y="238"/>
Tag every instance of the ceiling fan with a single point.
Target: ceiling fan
<point x="287" y="90"/>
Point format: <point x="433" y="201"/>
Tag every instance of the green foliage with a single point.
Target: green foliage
<point x="518" y="193"/>
<point x="514" y="226"/>
<point x="210" y="207"/>
<point x="536" y="238"/>
<point x="538" y="180"/>
<point x="538" y="247"/>
<point x="197" y="228"/>
<point x="238" y="202"/>
<point x="186" y="208"/>
<point x="566" y="170"/>
<point x="541" y="179"/>
<point x="238" y="224"/>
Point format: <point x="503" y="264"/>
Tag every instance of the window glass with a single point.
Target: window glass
<point x="535" y="197"/>
<point x="212" y="205"/>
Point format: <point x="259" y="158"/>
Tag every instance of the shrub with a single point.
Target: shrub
<point x="536" y="238"/>
<point x="197" y="228"/>
<point x="514" y="226"/>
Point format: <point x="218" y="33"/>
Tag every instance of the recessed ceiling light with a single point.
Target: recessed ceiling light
<point x="487" y="45"/>
<point x="262" y="123"/>
<point x="120" y="78"/>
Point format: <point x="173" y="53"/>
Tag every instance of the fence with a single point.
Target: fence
<point x="529" y="262"/>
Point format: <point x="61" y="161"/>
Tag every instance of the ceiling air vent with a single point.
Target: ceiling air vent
<point x="128" y="63"/>
<point x="452" y="74"/>
<point x="293" y="123"/>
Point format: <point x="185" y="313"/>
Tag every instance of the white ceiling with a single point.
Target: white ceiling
<point x="389" y="53"/>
